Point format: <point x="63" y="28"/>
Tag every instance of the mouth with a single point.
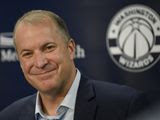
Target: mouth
<point x="44" y="72"/>
<point x="45" y="75"/>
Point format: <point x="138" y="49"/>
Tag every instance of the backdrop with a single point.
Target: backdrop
<point x="117" y="41"/>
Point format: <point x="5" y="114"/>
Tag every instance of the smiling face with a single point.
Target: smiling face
<point x="46" y="58"/>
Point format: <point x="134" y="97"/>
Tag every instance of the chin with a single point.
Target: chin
<point x="49" y="88"/>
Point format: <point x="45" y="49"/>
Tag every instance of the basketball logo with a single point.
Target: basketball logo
<point x="133" y="38"/>
<point x="136" y="38"/>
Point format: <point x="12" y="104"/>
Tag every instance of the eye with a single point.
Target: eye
<point x="49" y="48"/>
<point x="27" y="54"/>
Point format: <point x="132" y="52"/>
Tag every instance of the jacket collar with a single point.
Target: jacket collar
<point x="85" y="108"/>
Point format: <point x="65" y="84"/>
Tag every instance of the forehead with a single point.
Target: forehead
<point x="28" y="35"/>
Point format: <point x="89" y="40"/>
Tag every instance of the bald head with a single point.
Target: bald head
<point x="37" y="17"/>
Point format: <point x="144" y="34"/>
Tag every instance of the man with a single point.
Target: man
<point x="46" y="54"/>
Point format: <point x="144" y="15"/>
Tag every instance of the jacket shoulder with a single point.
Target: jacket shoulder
<point x="122" y="99"/>
<point x="15" y="109"/>
<point x="114" y="90"/>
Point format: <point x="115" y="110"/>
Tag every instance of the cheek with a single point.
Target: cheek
<point x="25" y="65"/>
<point x="56" y="57"/>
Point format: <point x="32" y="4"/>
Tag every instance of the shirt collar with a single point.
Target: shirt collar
<point x="68" y="101"/>
<point x="70" y="98"/>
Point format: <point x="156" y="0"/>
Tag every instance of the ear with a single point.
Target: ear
<point x="71" y="48"/>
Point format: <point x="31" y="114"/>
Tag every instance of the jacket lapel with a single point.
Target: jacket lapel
<point x="28" y="112"/>
<point x="85" y="108"/>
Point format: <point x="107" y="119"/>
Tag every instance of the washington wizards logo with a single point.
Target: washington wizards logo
<point x="133" y="38"/>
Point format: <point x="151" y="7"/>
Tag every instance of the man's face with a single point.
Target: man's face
<point x="46" y="60"/>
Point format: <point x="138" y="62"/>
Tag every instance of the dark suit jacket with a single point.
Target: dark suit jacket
<point x="95" y="101"/>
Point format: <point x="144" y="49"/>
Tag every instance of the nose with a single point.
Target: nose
<point x="40" y="60"/>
